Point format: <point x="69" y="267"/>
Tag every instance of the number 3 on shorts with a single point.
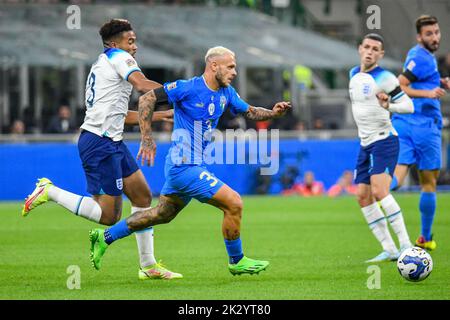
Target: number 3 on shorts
<point x="208" y="177"/>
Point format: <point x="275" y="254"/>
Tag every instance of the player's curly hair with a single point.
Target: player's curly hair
<point x="113" y="28"/>
<point x="425" y="20"/>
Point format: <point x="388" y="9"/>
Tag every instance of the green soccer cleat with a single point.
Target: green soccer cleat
<point x="158" y="271"/>
<point x="247" y="265"/>
<point x="37" y="197"/>
<point x="98" y="247"/>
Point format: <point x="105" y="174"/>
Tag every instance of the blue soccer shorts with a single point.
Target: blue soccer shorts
<point x="378" y="157"/>
<point x="190" y="181"/>
<point x="105" y="163"/>
<point x="420" y="145"/>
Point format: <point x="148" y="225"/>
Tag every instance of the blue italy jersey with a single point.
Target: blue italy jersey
<point x="421" y="66"/>
<point x="197" y="110"/>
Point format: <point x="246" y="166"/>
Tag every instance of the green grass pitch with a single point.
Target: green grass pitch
<point x="316" y="247"/>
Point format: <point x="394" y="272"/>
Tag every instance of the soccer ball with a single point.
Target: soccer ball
<point x="415" y="264"/>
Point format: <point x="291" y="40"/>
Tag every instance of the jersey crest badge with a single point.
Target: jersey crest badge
<point x="211" y="109"/>
<point x="367" y="89"/>
<point x="223" y="102"/>
<point x="119" y="184"/>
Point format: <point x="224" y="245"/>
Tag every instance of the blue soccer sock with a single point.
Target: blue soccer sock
<point x="427" y="206"/>
<point x="117" y="231"/>
<point x="394" y="184"/>
<point x="234" y="249"/>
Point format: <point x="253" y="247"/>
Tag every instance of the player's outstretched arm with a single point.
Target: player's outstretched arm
<point x="132" y="118"/>
<point x="141" y="83"/>
<point x="261" y="114"/>
<point x="147" y="149"/>
<point x="415" y="93"/>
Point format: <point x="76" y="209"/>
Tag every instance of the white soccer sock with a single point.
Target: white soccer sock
<point x="395" y="217"/>
<point x="82" y="206"/>
<point x="144" y="240"/>
<point x="377" y="223"/>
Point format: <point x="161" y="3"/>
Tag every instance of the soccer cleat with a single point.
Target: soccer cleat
<point x="98" y="247"/>
<point x="37" y="197"/>
<point x="158" y="271"/>
<point x="427" y="245"/>
<point x="247" y="265"/>
<point x="384" y="256"/>
<point x="400" y="251"/>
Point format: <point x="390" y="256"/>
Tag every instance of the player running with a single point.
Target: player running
<point x="420" y="132"/>
<point x="198" y="103"/>
<point x="374" y="93"/>
<point x="108" y="164"/>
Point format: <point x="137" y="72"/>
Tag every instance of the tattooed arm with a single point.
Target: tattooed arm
<point x="132" y="117"/>
<point x="145" y="109"/>
<point x="260" y="114"/>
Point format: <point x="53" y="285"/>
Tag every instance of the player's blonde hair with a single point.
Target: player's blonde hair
<point x="217" y="51"/>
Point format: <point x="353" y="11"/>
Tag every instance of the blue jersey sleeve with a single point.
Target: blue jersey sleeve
<point x="236" y="104"/>
<point x="420" y="67"/>
<point x="178" y="90"/>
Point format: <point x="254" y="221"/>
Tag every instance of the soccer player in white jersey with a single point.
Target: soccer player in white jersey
<point x="375" y="93"/>
<point x="108" y="164"/>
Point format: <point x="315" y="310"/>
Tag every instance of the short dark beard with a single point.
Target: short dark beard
<point x="429" y="48"/>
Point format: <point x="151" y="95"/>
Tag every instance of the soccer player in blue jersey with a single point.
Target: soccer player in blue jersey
<point x="198" y="104"/>
<point x="108" y="164"/>
<point x="420" y="132"/>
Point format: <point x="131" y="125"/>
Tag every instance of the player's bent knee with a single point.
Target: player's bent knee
<point x="236" y="205"/>
<point x="110" y="217"/>
<point x="364" y="198"/>
<point x="379" y="193"/>
<point x="109" y="220"/>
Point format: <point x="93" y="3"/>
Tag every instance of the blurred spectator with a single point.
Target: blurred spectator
<point x="344" y="185"/>
<point x="17" y="130"/>
<point x="262" y="125"/>
<point x="309" y="187"/>
<point x="300" y="126"/>
<point x="318" y="124"/>
<point x="444" y="66"/>
<point x="62" y="122"/>
<point x="289" y="177"/>
<point x="18" y="127"/>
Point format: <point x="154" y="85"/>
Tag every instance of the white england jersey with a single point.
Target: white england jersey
<point x="108" y="93"/>
<point x="372" y="120"/>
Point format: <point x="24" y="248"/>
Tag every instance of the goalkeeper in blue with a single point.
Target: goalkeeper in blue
<point x="375" y="93"/>
<point x="420" y="132"/>
<point x="198" y="104"/>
